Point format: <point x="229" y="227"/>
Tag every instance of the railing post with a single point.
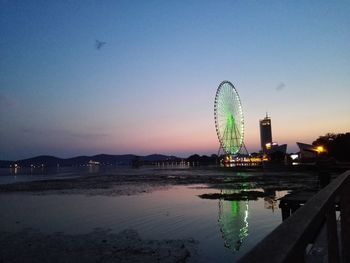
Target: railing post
<point x="332" y="235"/>
<point x="285" y="210"/>
<point x="345" y="221"/>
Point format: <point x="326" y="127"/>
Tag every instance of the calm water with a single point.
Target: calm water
<point x="12" y="175"/>
<point x="225" y="229"/>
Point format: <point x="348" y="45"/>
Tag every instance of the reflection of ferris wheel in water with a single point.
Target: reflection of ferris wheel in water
<point x="233" y="223"/>
<point x="229" y="122"/>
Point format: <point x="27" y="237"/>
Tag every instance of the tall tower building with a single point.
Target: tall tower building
<point x="265" y="132"/>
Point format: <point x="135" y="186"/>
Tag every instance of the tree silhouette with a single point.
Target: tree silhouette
<point x="337" y="145"/>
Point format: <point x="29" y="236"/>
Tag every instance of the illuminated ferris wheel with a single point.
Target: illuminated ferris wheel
<point x="229" y="122"/>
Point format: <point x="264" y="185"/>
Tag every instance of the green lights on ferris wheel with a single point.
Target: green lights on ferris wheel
<point x="229" y="122"/>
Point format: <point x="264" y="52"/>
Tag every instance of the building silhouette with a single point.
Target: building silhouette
<point x="265" y="133"/>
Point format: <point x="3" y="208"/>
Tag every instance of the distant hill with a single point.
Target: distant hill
<point x="104" y="159"/>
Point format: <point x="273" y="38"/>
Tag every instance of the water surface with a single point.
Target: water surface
<point x="225" y="229"/>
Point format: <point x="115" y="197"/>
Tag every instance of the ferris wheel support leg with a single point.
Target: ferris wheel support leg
<point x="245" y="148"/>
<point x="219" y="151"/>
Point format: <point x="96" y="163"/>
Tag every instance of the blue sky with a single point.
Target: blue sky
<point x="151" y="87"/>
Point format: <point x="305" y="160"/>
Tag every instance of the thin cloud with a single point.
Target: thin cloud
<point x="64" y="133"/>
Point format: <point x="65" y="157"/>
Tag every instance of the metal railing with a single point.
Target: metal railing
<point x="287" y="243"/>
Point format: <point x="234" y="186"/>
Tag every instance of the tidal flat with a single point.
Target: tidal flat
<point x="142" y="215"/>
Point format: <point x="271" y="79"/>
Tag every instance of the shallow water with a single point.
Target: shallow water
<point x="11" y="175"/>
<point x="26" y="174"/>
<point x="225" y="229"/>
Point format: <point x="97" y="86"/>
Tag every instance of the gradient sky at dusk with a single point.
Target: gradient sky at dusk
<point x="151" y="87"/>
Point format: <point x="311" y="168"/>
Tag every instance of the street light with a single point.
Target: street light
<point x="320" y="149"/>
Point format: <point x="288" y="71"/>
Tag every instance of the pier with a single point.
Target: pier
<point x="290" y="241"/>
<point x="291" y="202"/>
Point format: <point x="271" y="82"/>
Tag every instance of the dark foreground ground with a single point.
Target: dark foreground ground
<point x="127" y="246"/>
<point x="97" y="246"/>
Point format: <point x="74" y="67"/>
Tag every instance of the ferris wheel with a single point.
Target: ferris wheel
<point x="229" y="122"/>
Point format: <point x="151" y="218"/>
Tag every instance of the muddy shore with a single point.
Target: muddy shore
<point x="101" y="245"/>
<point x="130" y="183"/>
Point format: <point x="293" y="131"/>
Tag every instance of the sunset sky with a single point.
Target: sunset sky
<point x="150" y="88"/>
